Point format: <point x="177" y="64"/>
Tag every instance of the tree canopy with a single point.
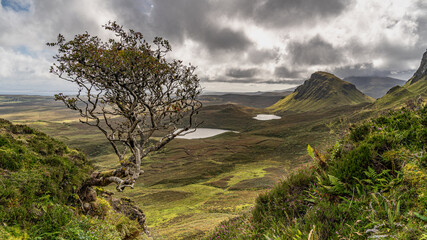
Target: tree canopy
<point x="138" y="98"/>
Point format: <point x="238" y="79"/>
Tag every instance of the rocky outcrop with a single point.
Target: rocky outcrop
<point x="422" y="70"/>
<point x="322" y="85"/>
<point x="91" y="205"/>
<point x="130" y="209"/>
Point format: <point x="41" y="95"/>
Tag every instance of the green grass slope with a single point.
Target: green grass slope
<point x="414" y="88"/>
<point x="371" y="184"/>
<point x="261" y="100"/>
<point x="38" y="180"/>
<point x="322" y="90"/>
<point x="398" y="96"/>
<point x="375" y="87"/>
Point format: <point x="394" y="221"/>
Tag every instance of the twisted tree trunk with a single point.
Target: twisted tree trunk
<point x="124" y="176"/>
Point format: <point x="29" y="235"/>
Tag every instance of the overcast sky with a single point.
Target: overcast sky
<point x="237" y="45"/>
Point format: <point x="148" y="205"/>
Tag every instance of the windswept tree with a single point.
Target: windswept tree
<point x="131" y="92"/>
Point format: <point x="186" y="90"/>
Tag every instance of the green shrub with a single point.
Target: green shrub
<point x="4" y="141"/>
<point x="13" y="233"/>
<point x="285" y="201"/>
<point x="423" y="161"/>
<point x="10" y="160"/>
<point x="20" y="129"/>
<point x="359" y="133"/>
<point x="82" y="227"/>
<point x="352" y="164"/>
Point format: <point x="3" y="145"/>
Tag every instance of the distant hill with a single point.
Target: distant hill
<point x="416" y="86"/>
<point x="322" y="90"/>
<point x="261" y="100"/>
<point x="375" y="87"/>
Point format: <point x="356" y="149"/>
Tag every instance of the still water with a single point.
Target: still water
<point x="201" y="133"/>
<point x="265" y="117"/>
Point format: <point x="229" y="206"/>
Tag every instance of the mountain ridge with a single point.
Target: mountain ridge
<point x="321" y="90"/>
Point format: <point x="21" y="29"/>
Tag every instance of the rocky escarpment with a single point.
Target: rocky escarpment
<point x="422" y="70"/>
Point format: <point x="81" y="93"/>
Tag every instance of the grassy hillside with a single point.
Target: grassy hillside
<point x="370" y="184"/>
<point x="39" y="177"/>
<point x="375" y="87"/>
<point x="322" y="90"/>
<point x="398" y="96"/>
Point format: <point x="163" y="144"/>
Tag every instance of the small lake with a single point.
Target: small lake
<point x="265" y="117"/>
<point x="202" y="133"/>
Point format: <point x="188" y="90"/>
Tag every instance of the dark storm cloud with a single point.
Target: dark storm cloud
<point x="241" y="73"/>
<point x="198" y="20"/>
<point x="180" y="20"/>
<point x="262" y="56"/>
<point x="195" y="19"/>
<point x="316" y="51"/>
<point x="280" y="13"/>
<point x="133" y="14"/>
<point x="284" y="72"/>
<point x="216" y="38"/>
<point x="362" y="69"/>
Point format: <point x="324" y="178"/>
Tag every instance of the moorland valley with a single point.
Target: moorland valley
<point x="255" y="180"/>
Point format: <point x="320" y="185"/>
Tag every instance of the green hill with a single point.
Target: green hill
<point x="322" y="90"/>
<point x="375" y="87"/>
<point x="414" y="88"/>
<point x="261" y="100"/>
<point x="372" y="184"/>
<point x="39" y="178"/>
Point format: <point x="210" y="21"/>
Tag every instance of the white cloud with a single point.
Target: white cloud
<point x="388" y="35"/>
<point x="24" y="73"/>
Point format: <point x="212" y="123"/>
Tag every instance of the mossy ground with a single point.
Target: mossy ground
<point x="39" y="177"/>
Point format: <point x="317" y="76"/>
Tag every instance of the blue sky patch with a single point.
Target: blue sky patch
<point x="23" y="50"/>
<point x="17" y="6"/>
